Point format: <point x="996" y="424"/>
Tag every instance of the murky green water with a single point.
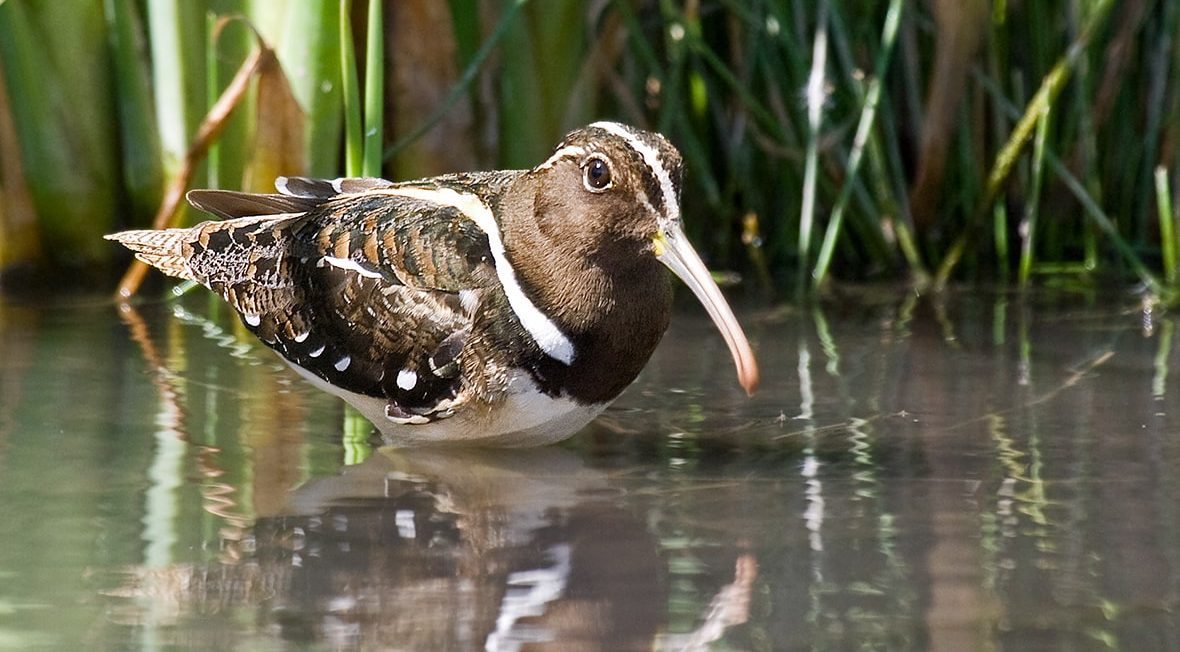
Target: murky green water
<point x="970" y="473"/>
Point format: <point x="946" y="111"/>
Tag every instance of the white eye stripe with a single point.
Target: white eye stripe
<point x="569" y="151"/>
<point x="652" y="158"/>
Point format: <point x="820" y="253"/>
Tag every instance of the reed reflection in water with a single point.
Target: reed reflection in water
<point x="971" y="472"/>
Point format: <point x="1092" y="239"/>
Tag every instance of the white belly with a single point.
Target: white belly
<point x="527" y="417"/>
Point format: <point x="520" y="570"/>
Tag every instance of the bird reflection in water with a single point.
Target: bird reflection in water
<point x="429" y="549"/>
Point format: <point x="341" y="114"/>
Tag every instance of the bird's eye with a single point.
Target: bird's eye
<point x="596" y="174"/>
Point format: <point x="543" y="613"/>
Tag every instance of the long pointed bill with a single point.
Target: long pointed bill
<point x="673" y="250"/>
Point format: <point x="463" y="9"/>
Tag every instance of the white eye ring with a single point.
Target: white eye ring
<point x="596" y="174"/>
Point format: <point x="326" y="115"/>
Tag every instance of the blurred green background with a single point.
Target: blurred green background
<point x="931" y="141"/>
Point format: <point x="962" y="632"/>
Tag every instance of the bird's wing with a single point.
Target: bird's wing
<point x="374" y="291"/>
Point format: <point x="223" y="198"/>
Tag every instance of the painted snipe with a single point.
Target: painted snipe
<point x="494" y="308"/>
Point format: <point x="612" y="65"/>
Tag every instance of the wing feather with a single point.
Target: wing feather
<point x="228" y="204"/>
<point x="374" y="292"/>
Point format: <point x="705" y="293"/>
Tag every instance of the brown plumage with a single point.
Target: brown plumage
<point x="502" y="307"/>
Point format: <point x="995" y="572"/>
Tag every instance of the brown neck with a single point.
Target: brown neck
<point x="611" y="298"/>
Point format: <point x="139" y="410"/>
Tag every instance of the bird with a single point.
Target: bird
<point x="500" y="308"/>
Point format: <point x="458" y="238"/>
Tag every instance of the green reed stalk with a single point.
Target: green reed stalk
<point x="57" y="71"/>
<point x="354" y="148"/>
<point x="815" y="104"/>
<point x="865" y="229"/>
<point x="1006" y="160"/>
<point x="212" y="92"/>
<point x="178" y="83"/>
<point x="1032" y="202"/>
<point x="688" y="117"/>
<point x="1168" y="244"/>
<point x="863" y="130"/>
<point x="997" y="48"/>
<point x="374" y="90"/>
<point x="885" y="160"/>
<point x="139" y="141"/>
<point x="1087" y="149"/>
<point x="311" y="50"/>
<point x="763" y="115"/>
<point x="138" y="136"/>
<point x="1159" y="74"/>
<point x="1104" y="224"/>
<point x="1000" y="237"/>
<point x="1093" y="210"/>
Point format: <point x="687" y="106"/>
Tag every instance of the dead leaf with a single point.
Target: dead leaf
<point x="279" y="130"/>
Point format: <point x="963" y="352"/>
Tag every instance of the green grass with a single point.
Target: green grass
<point x="824" y="142"/>
<point x="70" y="165"/>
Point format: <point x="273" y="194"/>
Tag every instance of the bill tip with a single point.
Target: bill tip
<point x="749" y="380"/>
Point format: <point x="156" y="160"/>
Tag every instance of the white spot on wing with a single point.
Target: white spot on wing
<point x="468" y="300"/>
<point x="317" y="352"/>
<point x="343" y="363"/>
<point x="252" y="320"/>
<point x="407" y="379"/>
<point x="302" y="336"/>
<point x="543" y="331"/>
<point x="350" y="265"/>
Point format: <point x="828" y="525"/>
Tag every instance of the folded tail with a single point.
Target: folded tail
<point x="172" y="250"/>
<point x="160" y="249"/>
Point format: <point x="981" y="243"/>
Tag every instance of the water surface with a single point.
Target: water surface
<point x="967" y="472"/>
